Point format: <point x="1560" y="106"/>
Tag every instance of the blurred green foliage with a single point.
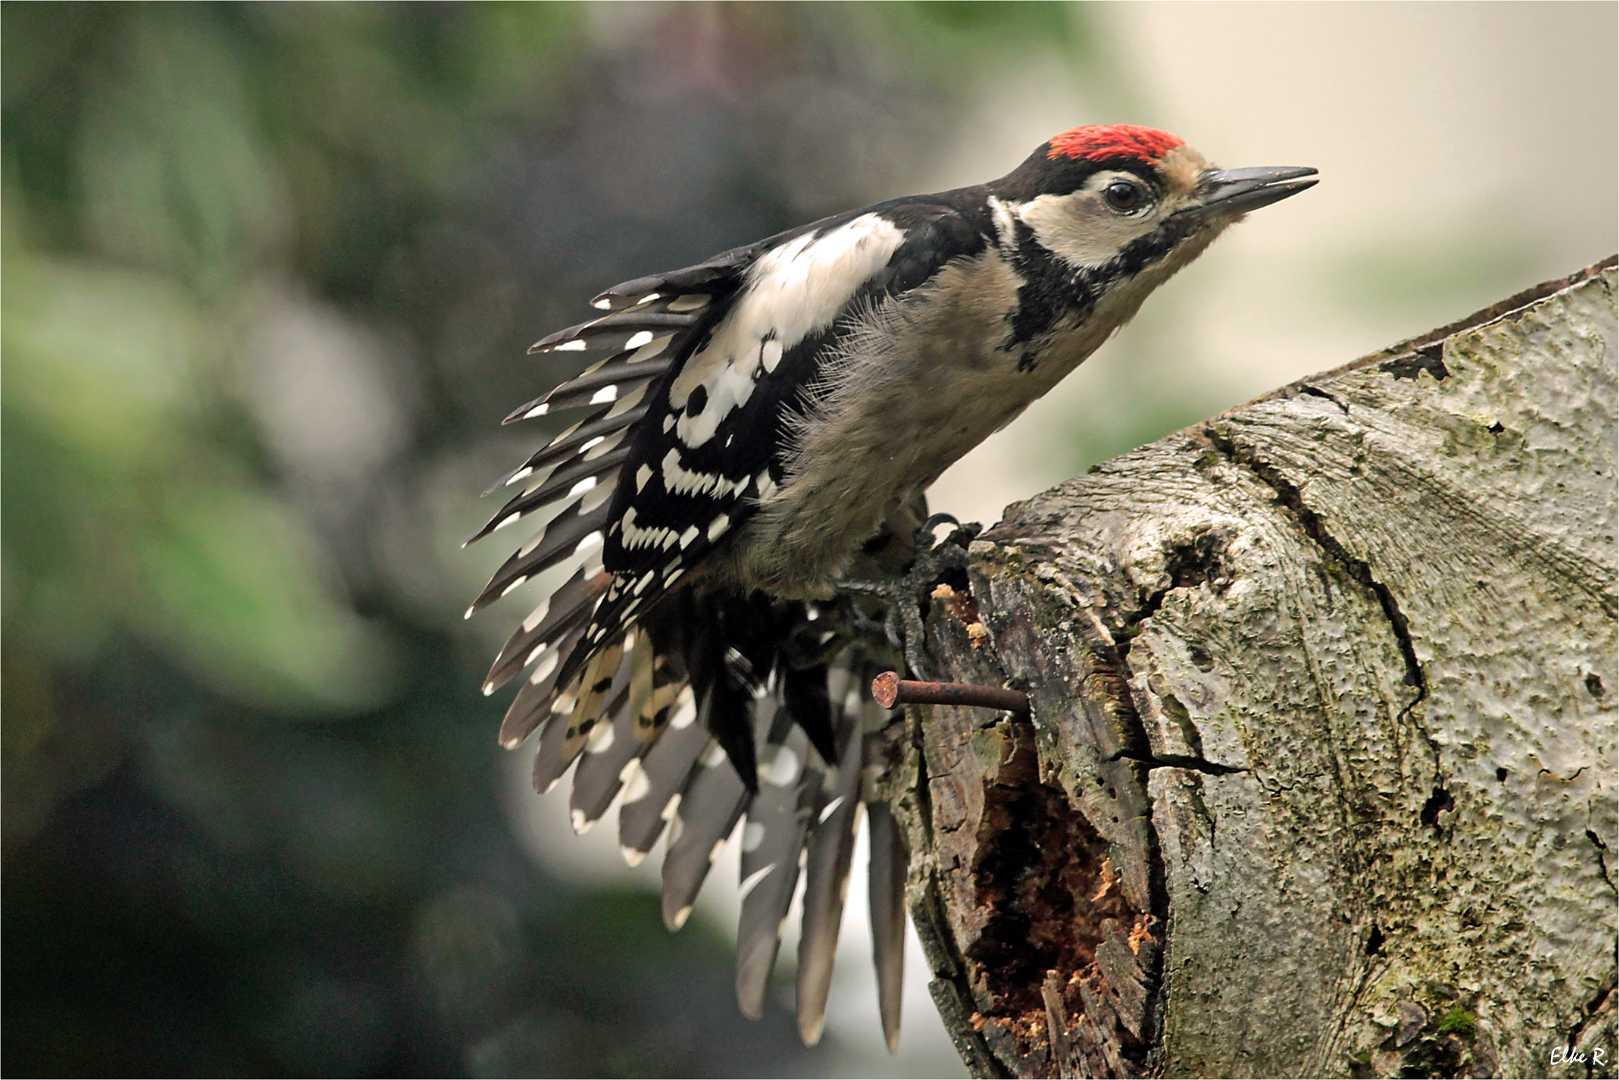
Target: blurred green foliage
<point x="269" y="271"/>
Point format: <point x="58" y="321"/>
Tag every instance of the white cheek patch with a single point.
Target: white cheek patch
<point x="791" y="292"/>
<point x="1078" y="229"/>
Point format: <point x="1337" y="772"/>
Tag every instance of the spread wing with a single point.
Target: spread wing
<point x="709" y="447"/>
<point x="699" y="369"/>
<point x="692" y="713"/>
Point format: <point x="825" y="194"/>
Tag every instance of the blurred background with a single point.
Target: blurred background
<point x="269" y="276"/>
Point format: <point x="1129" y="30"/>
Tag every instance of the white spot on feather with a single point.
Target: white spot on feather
<point x="581" y="487"/>
<point x="604" y="395"/>
<point x="635" y="781"/>
<point x="751" y="882"/>
<point x="717" y="527"/>
<point x="547" y="665"/>
<point x="636" y="537"/>
<point x="601" y="739"/>
<point x="642" y="475"/>
<point x="782" y="769"/>
<point x="539" y="410"/>
<point x="686" y="538"/>
<point x="576" y="345"/>
<point x="637" y="339"/>
<point x="650" y="349"/>
<point x="514" y="585"/>
<point x="685" y="711"/>
<point x="679" y="480"/>
<point x="753" y="834"/>
<point x="588" y="542"/>
<point x="597" y="447"/>
<point x="627" y="402"/>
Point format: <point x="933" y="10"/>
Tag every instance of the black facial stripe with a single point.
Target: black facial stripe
<point x="1052" y="289"/>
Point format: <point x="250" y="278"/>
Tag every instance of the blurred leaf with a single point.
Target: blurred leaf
<point x="104" y="357"/>
<point x="175" y="173"/>
<point x="233" y="580"/>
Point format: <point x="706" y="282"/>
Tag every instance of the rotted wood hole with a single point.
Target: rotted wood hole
<point x="1040" y="947"/>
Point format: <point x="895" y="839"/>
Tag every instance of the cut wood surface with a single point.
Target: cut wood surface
<point x="1319" y="778"/>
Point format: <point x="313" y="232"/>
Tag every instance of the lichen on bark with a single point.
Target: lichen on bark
<point x="1319" y="773"/>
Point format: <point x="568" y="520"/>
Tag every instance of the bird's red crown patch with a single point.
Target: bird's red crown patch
<point x="1101" y="141"/>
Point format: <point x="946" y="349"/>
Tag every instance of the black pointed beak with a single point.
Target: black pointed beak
<point x="1229" y="192"/>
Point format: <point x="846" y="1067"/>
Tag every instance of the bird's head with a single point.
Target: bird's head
<point x="1122" y="198"/>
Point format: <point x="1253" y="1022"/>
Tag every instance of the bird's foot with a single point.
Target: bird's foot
<point x="905" y="600"/>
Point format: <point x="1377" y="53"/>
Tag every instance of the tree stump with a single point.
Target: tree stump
<point x="1319" y="774"/>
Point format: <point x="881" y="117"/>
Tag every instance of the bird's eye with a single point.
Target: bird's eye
<point x="1123" y="196"/>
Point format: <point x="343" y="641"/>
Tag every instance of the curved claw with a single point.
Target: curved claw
<point x="933" y="522"/>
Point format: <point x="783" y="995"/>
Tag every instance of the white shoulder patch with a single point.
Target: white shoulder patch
<point x="1005" y="225"/>
<point x="791" y="292"/>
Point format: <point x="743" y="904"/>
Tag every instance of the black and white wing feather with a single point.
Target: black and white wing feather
<point x="665" y="682"/>
<point x="710" y="446"/>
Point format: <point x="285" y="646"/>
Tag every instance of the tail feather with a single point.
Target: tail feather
<point x="709" y="809"/>
<point x="827" y="864"/>
<point x="602" y="769"/>
<point x="887" y="895"/>
<point x="778" y="818"/>
<point x="649" y="799"/>
<point x="730" y="724"/>
<point x="805" y="695"/>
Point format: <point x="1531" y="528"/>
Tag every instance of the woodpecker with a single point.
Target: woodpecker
<point x="761" y="428"/>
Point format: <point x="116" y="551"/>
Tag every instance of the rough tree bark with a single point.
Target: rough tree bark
<point x="1319" y="777"/>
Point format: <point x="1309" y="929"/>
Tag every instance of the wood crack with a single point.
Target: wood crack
<point x="1288" y="496"/>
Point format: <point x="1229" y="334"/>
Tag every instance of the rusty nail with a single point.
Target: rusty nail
<point x="891" y="690"/>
